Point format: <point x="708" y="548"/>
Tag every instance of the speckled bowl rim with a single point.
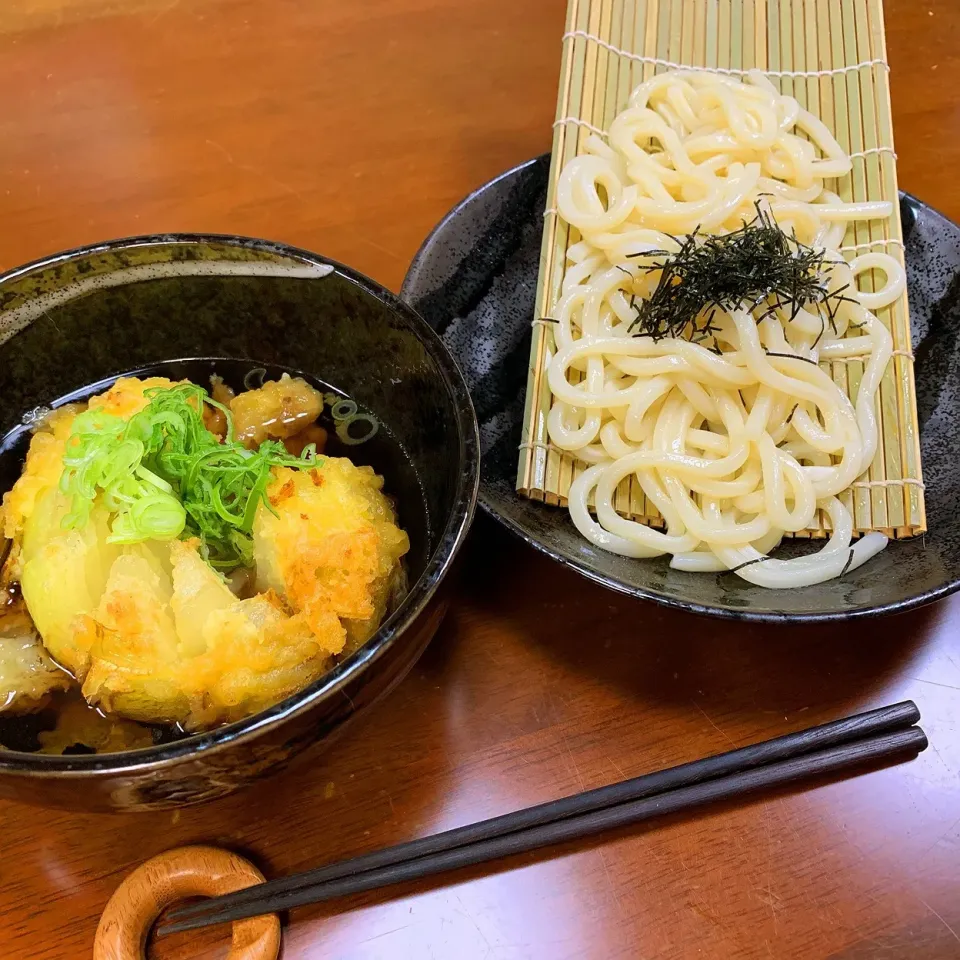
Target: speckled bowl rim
<point x="489" y="504"/>
<point x="451" y="537"/>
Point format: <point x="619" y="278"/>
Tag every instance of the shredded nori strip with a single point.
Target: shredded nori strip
<point x="790" y="356"/>
<point x="846" y="566"/>
<point x="823" y="330"/>
<point x="746" y="563"/>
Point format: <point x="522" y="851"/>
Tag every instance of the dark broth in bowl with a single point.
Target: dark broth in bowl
<point x="67" y="725"/>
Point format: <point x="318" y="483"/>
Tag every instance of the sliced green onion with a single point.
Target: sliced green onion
<point x="343" y="409"/>
<point x="156" y="517"/>
<point x="163" y="475"/>
<point x="343" y="429"/>
<point x="254" y="378"/>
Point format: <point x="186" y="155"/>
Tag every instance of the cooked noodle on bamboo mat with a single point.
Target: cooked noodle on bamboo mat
<point x="721" y="353"/>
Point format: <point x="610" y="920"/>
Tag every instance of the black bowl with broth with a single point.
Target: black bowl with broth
<point x="74" y="721"/>
<point x="71" y="325"/>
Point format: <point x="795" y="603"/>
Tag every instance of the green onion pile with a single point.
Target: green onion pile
<point x="163" y="475"/>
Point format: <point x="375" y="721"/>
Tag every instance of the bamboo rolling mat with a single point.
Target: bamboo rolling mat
<point x="831" y="56"/>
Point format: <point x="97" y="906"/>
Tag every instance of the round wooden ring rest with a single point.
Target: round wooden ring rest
<point x="175" y="875"/>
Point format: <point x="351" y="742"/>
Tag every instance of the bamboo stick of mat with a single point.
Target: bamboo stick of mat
<point x="819" y="750"/>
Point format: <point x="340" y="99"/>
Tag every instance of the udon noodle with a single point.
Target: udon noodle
<point x="741" y="439"/>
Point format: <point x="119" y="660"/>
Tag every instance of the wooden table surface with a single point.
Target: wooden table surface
<point x="350" y="128"/>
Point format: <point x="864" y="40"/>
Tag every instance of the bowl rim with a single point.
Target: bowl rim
<point x="491" y="503"/>
<point x="451" y="535"/>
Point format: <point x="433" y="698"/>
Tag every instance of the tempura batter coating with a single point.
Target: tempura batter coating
<point x="155" y="634"/>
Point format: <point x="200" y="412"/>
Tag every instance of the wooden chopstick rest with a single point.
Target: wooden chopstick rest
<point x="175" y="875"/>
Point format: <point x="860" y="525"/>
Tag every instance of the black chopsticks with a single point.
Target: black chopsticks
<point x="885" y="733"/>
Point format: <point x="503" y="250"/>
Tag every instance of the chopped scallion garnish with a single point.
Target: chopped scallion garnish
<point x="163" y="475"/>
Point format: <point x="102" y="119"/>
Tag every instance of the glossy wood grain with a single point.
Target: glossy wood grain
<point x="350" y="128"/>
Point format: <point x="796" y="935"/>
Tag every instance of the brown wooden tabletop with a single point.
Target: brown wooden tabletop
<point x="349" y="127"/>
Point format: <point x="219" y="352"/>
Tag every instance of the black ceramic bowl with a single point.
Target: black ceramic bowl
<point x="474" y="280"/>
<point x="88" y="315"/>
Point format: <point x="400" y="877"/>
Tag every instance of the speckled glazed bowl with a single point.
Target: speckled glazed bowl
<point x="88" y="315"/>
<point x="474" y="280"/>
